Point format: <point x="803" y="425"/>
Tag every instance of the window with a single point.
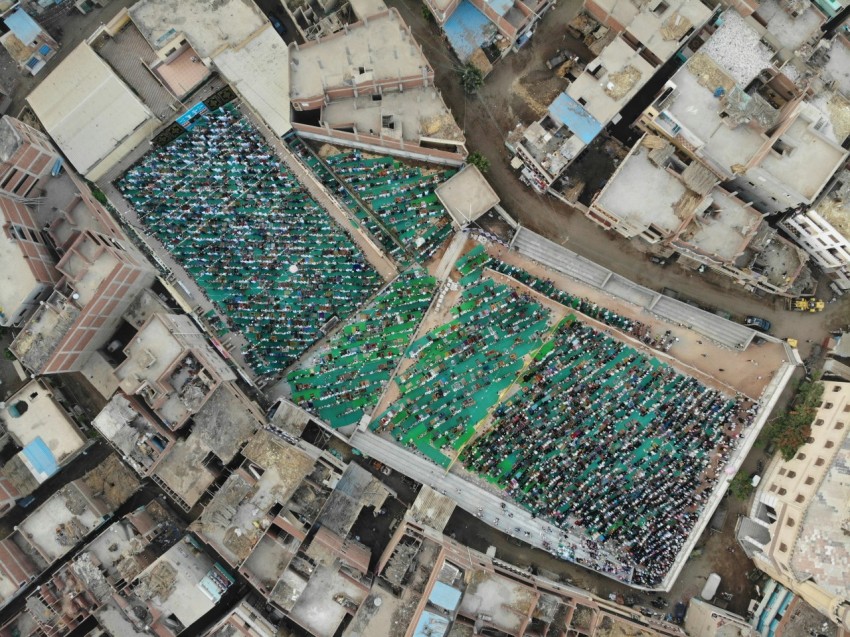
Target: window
<point x="799" y="499"/>
<point x="818" y="422"/>
<point x="792" y="474"/>
<point x="847" y="408"/>
<point x="782" y="471"/>
<point x="783" y="548"/>
<point x="801" y="456"/>
<point x="828" y="406"/>
<point x="660" y="8"/>
<point x="790" y="522"/>
<point x="839" y="425"/>
<point x="810" y="480"/>
<point x="783" y="491"/>
<point x="810" y="440"/>
<point x="829" y="444"/>
<point x="819" y="462"/>
<point x="836" y="389"/>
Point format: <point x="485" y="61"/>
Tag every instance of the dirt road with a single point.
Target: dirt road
<point x="489" y="115"/>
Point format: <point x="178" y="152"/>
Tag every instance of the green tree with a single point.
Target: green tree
<point x="741" y="486"/>
<point x="790" y="430"/>
<point x="427" y="15"/>
<point x="471" y="78"/>
<point x="479" y="161"/>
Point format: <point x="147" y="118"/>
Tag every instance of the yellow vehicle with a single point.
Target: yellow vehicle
<point x="806" y="304"/>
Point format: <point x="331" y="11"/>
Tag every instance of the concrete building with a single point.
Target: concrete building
<point x="46" y="435"/>
<point x="170" y="595"/>
<point x="243" y="620"/>
<point x="93" y="581"/>
<point x="647" y="36"/>
<point x="467" y="195"/>
<point x="27" y="265"/>
<point x="456" y="590"/>
<point x="172" y="366"/>
<point x="823" y="231"/>
<point x="100" y="279"/>
<point x="187" y="36"/>
<point x="482" y="31"/>
<point x="91" y="113"/>
<point x="61" y="523"/>
<point x="797" y="528"/>
<point x="705" y="620"/>
<point x="29" y="45"/>
<point x="675" y="203"/>
<point x="27" y="155"/>
<point x="731" y="109"/>
<point x="371" y="87"/>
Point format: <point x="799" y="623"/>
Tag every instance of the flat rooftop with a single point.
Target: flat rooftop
<point x="696" y="109"/>
<point x="625" y="72"/>
<point x="822" y="548"/>
<point x="382" y="49"/>
<point x="414" y="114"/>
<point x="467" y="195"/>
<point x="738" y="47"/>
<point x="130" y="432"/>
<point x="356" y="489"/>
<point x="160" y="21"/>
<point x="149" y="354"/>
<point x="87" y="264"/>
<point x="643" y="194"/>
<point x="838" y="66"/>
<point x="225" y="421"/>
<point x="791" y="32"/>
<point x="724" y="228"/>
<point x="508" y="602"/>
<point x="42" y="418"/>
<point x="811" y="162"/>
<point x="59" y="524"/>
<point x="316" y="609"/>
<point x="42" y="332"/>
<point x="228" y="521"/>
<point x="172" y="583"/>
<point x="183" y="470"/>
<point x="17" y="280"/>
<point x="662" y="33"/>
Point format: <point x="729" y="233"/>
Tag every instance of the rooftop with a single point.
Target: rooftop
<point x="643" y="194"/>
<point x="467" y="195"/>
<point x="234" y="520"/>
<point x="356" y="489"/>
<point x="175" y="583"/>
<point x="138" y="439"/>
<point x="254" y="69"/>
<point x="71" y="103"/>
<point x="838" y="66"/>
<point x="822" y="549"/>
<point x="611" y="80"/>
<point x="184" y="470"/>
<point x="508" y="602"/>
<point x="411" y="115"/>
<point x="724" y="227"/>
<point x="661" y="32"/>
<point x="790" y="32"/>
<point x="59" y="524"/>
<point x="32" y="413"/>
<point x="35" y="343"/>
<point x="382" y="49"/>
<point x="565" y="110"/>
<point x="201" y="22"/>
<point x="809" y="163"/>
<point x="17" y="279"/>
<point x="467" y="29"/>
<point x="738" y="47"/>
<point x="317" y="609"/>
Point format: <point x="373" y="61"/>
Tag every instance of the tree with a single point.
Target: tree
<point x="479" y="161"/>
<point x="426" y="13"/>
<point x="741" y="486"/>
<point x="790" y="430"/>
<point x="471" y="78"/>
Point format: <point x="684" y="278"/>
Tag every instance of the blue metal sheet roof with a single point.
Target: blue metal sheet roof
<point x="23" y="26"/>
<point x="444" y="596"/>
<point x="431" y="625"/>
<point x="41" y="459"/>
<point x="573" y="115"/>
<point x="467" y="30"/>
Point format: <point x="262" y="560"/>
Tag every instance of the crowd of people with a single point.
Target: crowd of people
<point x="249" y="234"/>
<point x="401" y="196"/>
<point x="460" y="368"/>
<point x="346" y="378"/>
<point x="602" y="438"/>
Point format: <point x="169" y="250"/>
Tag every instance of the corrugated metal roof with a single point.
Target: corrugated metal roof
<point x="574" y="116"/>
